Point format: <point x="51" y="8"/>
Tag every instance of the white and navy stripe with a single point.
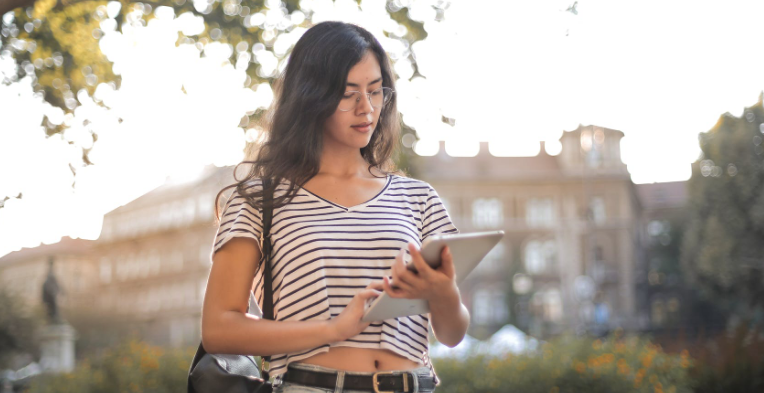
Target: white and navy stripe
<point x="324" y="253"/>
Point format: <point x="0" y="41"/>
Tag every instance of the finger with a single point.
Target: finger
<point x="392" y="291"/>
<point x="367" y="294"/>
<point x="405" y="279"/>
<point x="375" y="285"/>
<point x="447" y="263"/>
<point x="400" y="271"/>
<point x="423" y="269"/>
<point x="401" y="274"/>
<point x="402" y="283"/>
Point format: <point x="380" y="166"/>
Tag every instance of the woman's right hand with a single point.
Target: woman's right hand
<point x="348" y="323"/>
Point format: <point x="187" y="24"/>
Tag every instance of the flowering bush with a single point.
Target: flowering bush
<point x="569" y="364"/>
<point x="133" y="366"/>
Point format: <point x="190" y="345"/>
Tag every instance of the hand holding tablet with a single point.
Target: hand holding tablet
<point x="467" y="251"/>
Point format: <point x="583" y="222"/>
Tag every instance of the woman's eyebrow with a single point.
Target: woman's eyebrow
<point x="371" y="83"/>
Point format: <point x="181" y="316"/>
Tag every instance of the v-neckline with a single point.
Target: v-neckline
<point x="360" y="205"/>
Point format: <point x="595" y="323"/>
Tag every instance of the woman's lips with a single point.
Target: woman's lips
<point x="363" y="127"/>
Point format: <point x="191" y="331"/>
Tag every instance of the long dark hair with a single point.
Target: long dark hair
<point x="306" y="94"/>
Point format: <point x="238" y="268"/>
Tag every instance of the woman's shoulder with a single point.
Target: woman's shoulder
<point x="410" y="183"/>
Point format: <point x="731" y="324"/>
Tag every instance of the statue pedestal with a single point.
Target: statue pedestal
<point x="57" y="347"/>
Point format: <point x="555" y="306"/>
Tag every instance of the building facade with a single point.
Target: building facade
<point x="573" y="238"/>
<point x="573" y="257"/>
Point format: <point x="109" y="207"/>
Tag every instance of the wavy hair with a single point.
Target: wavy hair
<point x="306" y="94"/>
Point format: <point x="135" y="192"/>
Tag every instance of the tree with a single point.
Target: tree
<point x="18" y="326"/>
<point x="56" y="42"/>
<point x="723" y="248"/>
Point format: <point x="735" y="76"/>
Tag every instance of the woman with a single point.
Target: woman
<point x="342" y="222"/>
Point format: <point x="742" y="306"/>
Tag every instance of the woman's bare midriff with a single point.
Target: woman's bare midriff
<point x="361" y="360"/>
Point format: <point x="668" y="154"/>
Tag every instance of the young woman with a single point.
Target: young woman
<point x="344" y="225"/>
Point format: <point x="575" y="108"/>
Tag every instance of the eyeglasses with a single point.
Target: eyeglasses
<point x="378" y="98"/>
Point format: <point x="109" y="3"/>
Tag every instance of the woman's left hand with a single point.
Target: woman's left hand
<point x="426" y="283"/>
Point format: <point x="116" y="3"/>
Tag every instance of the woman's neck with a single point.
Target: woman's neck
<point x="344" y="166"/>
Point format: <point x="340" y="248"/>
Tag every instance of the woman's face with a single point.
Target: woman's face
<point x="353" y="129"/>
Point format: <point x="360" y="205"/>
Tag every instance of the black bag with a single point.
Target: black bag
<point x="213" y="373"/>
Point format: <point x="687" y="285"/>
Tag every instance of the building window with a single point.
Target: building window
<point x="487" y="213"/>
<point x="540" y="256"/>
<point x="597" y="209"/>
<point x="489" y="307"/>
<point x="492" y="262"/>
<point x="205" y="250"/>
<point x="105" y="270"/>
<point x="205" y="206"/>
<point x="539" y="212"/>
<point x="548" y="304"/>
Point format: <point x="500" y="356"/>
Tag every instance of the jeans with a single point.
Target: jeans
<point x="288" y="387"/>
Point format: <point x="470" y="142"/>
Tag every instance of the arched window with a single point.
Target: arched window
<point x="534" y="261"/>
<point x="541" y="256"/>
<point x="539" y="212"/>
<point x="489" y="306"/>
<point x="548" y="304"/>
<point x="487" y="213"/>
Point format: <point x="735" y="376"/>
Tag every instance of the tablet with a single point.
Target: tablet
<point x="467" y="249"/>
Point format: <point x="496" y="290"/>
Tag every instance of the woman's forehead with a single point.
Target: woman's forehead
<point x="365" y="72"/>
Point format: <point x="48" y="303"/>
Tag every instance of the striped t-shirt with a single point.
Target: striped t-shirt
<point x="324" y="253"/>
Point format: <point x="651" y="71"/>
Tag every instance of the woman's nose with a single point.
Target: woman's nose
<point x="364" y="106"/>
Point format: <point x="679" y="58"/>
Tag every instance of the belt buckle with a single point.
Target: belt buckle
<point x="375" y="382"/>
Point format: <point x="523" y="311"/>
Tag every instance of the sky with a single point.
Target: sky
<point x="511" y="73"/>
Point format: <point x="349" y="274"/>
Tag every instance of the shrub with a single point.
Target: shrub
<point x="570" y="364"/>
<point x="731" y="363"/>
<point x="131" y="367"/>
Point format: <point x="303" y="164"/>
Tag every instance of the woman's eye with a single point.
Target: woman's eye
<point x="348" y="95"/>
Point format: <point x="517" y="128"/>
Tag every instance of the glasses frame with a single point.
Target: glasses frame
<point x="368" y="97"/>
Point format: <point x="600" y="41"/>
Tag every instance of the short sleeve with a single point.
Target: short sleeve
<point x="239" y="219"/>
<point x="436" y="219"/>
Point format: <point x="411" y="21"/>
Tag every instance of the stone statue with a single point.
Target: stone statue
<point x="50" y="291"/>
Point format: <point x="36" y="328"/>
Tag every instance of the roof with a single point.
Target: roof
<point x="210" y="174"/>
<point x="486" y="167"/>
<point x="67" y="246"/>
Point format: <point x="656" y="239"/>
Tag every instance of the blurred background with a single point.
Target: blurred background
<point x="618" y="145"/>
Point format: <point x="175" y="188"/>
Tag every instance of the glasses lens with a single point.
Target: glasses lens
<point x="378" y="98"/>
<point x="381" y="96"/>
<point x="349" y="100"/>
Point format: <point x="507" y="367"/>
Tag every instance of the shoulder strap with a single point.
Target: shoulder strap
<point x="266" y="260"/>
<point x="266" y="250"/>
<point x="268" y="281"/>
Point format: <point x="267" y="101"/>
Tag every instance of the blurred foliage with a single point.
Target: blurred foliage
<point x="57" y="41"/>
<point x="18" y="325"/>
<point x="665" y="281"/>
<point x="723" y="251"/>
<point x="132" y="366"/>
<point x="571" y="364"/>
<point x="732" y="363"/>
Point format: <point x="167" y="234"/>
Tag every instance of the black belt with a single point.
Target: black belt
<point x="379" y="382"/>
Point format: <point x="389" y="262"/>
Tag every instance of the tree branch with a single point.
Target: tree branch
<point x="10" y="5"/>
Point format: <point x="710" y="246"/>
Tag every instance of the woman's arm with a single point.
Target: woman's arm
<point x="449" y="317"/>
<point x="226" y="328"/>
